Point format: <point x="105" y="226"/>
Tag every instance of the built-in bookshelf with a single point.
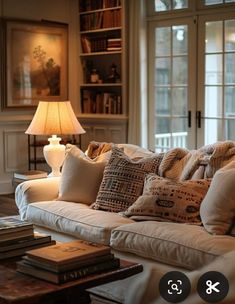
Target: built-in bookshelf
<point x="103" y="60"/>
<point x="102" y="56"/>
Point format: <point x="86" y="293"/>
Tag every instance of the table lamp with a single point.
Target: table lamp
<point x="54" y="118"/>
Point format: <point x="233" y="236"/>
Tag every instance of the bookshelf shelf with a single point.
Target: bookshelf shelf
<point x="100" y="53"/>
<point x="101" y="30"/>
<point x="100" y="10"/>
<point x="103" y="85"/>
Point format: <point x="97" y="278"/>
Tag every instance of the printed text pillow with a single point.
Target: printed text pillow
<point x="169" y="200"/>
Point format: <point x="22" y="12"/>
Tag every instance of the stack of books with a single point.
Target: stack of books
<point x="67" y="261"/>
<point x="114" y="44"/>
<point x="30" y="174"/>
<point x="18" y="236"/>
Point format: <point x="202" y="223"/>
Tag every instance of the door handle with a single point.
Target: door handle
<point x="189" y="119"/>
<point x="199" y="118"/>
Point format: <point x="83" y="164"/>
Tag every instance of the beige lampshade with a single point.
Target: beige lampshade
<point x="54" y="117"/>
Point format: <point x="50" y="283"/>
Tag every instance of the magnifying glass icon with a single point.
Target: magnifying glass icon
<point x="174" y="287"/>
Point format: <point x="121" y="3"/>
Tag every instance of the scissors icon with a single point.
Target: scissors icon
<point x="212" y="287"/>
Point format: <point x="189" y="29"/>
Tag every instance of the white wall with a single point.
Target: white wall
<point x="13" y="141"/>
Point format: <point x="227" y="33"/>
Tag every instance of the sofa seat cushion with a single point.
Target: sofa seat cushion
<point x="183" y="245"/>
<point x="75" y="219"/>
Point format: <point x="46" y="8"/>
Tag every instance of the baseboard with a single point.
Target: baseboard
<point x="6" y="187"/>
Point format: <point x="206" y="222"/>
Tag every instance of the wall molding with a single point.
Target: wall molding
<point x="6" y="187"/>
<point x="10" y="157"/>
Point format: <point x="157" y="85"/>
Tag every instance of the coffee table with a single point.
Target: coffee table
<point x="18" y="288"/>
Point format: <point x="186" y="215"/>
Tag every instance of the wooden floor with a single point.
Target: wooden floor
<point x="7" y="205"/>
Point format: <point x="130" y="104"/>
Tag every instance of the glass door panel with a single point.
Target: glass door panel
<point x="216" y="78"/>
<point x="171" y="82"/>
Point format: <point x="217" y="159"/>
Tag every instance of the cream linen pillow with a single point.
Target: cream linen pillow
<point x="218" y="207"/>
<point x="81" y="176"/>
<point x="169" y="200"/>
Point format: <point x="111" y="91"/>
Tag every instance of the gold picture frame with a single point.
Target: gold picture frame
<point x="34" y="63"/>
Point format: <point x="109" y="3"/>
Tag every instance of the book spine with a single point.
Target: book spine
<point x="82" y="272"/>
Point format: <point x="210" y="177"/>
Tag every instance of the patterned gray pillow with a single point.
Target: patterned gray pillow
<point x="169" y="200"/>
<point x="123" y="180"/>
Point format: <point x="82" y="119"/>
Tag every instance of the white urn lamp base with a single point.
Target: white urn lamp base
<point x="54" y="154"/>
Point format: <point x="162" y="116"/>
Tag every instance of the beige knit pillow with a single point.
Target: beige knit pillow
<point x="81" y="176"/>
<point x="170" y="200"/>
<point x="218" y="207"/>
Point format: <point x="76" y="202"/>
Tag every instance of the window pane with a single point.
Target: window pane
<point x="162" y="5"/>
<point x="163" y="41"/>
<point x="180" y="39"/>
<point x="163" y="101"/>
<point x="213" y="102"/>
<point x="179" y="101"/>
<point x="229" y="102"/>
<point x="230" y="68"/>
<point x="179" y="134"/>
<point x="212" y="2"/>
<point x="179" y="4"/>
<point x="214" y="34"/>
<point x="229" y="129"/>
<point x="213" y="74"/>
<point x="213" y="131"/>
<point x="162" y="125"/>
<point x="162" y="70"/>
<point x="180" y="70"/>
<point x="162" y="134"/>
<point x="230" y="35"/>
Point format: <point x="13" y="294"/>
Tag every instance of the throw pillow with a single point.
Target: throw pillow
<point x="81" y="176"/>
<point x="218" y="207"/>
<point x="123" y="180"/>
<point x="169" y="200"/>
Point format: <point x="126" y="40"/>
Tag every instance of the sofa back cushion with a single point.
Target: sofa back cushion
<point x="170" y="200"/>
<point x="218" y="207"/>
<point x="123" y="180"/>
<point x="81" y="176"/>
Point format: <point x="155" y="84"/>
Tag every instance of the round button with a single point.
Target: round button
<point x="213" y="286"/>
<point x="174" y="286"/>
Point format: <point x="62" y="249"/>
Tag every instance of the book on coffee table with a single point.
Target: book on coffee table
<point x="22" y="243"/>
<point x="9" y="224"/>
<point x="19" y="247"/>
<point x="68" y="252"/>
<point x="12" y="229"/>
<point x="57" y="268"/>
<point x="67" y="276"/>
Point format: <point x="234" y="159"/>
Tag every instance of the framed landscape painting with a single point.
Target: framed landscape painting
<point x="34" y="63"/>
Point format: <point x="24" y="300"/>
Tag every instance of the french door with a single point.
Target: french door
<point x="216" y="78"/>
<point x="191" y="81"/>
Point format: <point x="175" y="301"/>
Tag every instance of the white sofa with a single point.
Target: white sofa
<point x="162" y="244"/>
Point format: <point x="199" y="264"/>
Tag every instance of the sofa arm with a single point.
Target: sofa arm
<point x="44" y="189"/>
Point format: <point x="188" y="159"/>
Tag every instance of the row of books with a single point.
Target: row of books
<point x="90" y="5"/>
<point x="100" y="44"/>
<point x="17" y="236"/>
<point x="100" y="20"/>
<point x="101" y="103"/>
<point x="65" y="262"/>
